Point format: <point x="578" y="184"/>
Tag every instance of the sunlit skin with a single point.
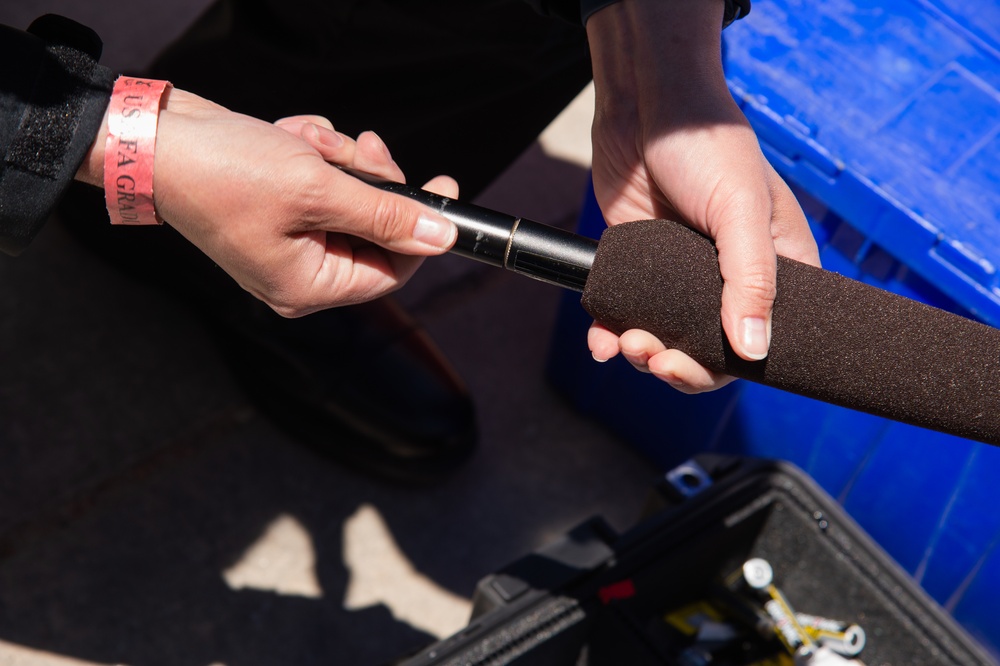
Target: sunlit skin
<point x="268" y="205"/>
<point x="670" y="142"/>
<point x="271" y="210"/>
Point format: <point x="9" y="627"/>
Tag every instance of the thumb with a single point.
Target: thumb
<point x="748" y="265"/>
<point x="392" y="221"/>
<point x="445" y="186"/>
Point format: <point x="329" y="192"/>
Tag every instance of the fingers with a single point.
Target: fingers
<point x="748" y="248"/>
<point x="332" y="146"/>
<point x="748" y="264"/>
<point x="351" y="272"/>
<point x="685" y="374"/>
<point x="372" y="156"/>
<point x="792" y="235"/>
<point x="348" y="206"/>
<point x="318" y="132"/>
<point x="638" y="347"/>
<point x="395" y="222"/>
<point x="369" y="153"/>
<point x="603" y="343"/>
<point x="294" y="124"/>
<point x="647" y="354"/>
<point x="445" y="186"/>
<point x="372" y="272"/>
<point x="392" y="221"/>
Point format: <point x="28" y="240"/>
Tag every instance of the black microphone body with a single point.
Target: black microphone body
<point x="530" y="248"/>
<point x="833" y="338"/>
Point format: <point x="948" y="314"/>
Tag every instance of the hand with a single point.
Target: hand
<point x="670" y="142"/>
<point x="267" y="207"/>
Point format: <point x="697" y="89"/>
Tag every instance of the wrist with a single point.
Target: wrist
<point x="650" y="51"/>
<point x="91" y="170"/>
<point x="133" y="120"/>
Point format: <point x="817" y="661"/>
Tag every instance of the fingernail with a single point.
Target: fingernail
<point x="754" y="335"/>
<point x="671" y="379"/>
<point x="598" y="359"/>
<point x="435" y="231"/>
<point x="310" y="132"/>
<point x="638" y="362"/>
<point x="329" y="138"/>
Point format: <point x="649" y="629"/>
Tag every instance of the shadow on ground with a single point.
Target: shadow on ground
<point x="133" y="471"/>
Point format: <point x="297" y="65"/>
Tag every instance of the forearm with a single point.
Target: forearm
<point x="662" y="55"/>
<point x="91" y="170"/>
<point x="174" y="102"/>
<point x="671" y="143"/>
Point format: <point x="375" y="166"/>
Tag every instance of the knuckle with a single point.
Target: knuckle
<point x="311" y="187"/>
<point x="286" y="311"/>
<point x="289" y="303"/>
<point x="389" y="217"/>
<point x="757" y="285"/>
<point x="306" y="202"/>
<point x="288" y="308"/>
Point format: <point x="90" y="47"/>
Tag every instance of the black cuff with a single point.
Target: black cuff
<point x="578" y="11"/>
<point x="735" y="10"/>
<point x="589" y="7"/>
<point x="55" y="100"/>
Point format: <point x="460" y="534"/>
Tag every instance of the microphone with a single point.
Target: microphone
<point x="532" y="249"/>
<point x="832" y="338"/>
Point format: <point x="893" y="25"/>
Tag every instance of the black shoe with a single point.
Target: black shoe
<point x="363" y="385"/>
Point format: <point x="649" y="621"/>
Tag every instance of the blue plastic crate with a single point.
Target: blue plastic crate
<point x="885" y="119"/>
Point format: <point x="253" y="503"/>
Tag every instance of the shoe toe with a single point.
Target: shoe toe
<point x="363" y="385"/>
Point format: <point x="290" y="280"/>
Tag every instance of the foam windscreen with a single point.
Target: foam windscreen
<point x="833" y="339"/>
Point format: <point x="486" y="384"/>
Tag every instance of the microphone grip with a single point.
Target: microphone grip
<point x="833" y="339"/>
<point x="520" y="245"/>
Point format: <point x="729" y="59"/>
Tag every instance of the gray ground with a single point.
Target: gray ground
<point x="149" y="516"/>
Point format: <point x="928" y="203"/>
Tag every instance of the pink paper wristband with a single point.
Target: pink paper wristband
<point x="128" y="154"/>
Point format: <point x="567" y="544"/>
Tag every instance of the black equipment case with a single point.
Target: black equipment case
<point x="674" y="588"/>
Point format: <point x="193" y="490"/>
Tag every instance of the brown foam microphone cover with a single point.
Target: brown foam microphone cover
<point x="833" y="339"/>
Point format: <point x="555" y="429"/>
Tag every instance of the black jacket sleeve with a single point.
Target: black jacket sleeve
<point x="578" y="11"/>
<point x="573" y="11"/>
<point x="53" y="95"/>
